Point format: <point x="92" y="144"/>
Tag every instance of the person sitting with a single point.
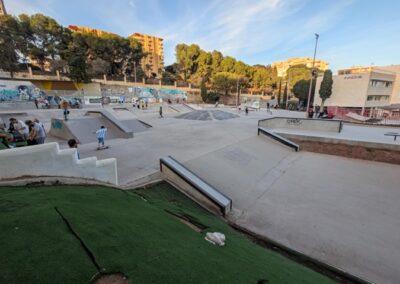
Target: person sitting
<point x="20" y="127"/>
<point x="5" y="137"/>
<point x="73" y="144"/>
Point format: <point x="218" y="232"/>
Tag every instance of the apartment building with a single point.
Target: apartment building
<point x="2" y="8"/>
<point x="283" y="66"/>
<point x="97" y="32"/>
<point x="363" y="90"/>
<point x="153" y="63"/>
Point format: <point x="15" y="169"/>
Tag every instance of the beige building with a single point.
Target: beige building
<point x="283" y="66"/>
<point x="2" y="8"/>
<point x="362" y="90"/>
<point x="97" y="32"/>
<point x="154" y="47"/>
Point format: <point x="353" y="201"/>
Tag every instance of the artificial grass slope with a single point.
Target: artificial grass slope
<point x="130" y="232"/>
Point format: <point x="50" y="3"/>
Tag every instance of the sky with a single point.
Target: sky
<point x="352" y="32"/>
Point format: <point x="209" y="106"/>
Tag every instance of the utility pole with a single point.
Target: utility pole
<point x="288" y="87"/>
<point x="134" y="71"/>
<point x="238" y="92"/>
<point x="312" y="75"/>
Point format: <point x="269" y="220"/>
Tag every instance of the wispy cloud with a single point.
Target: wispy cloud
<point x="255" y="31"/>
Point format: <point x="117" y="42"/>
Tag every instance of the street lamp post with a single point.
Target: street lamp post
<point x="238" y="94"/>
<point x="134" y="71"/>
<point x="312" y="75"/>
<point x="288" y="86"/>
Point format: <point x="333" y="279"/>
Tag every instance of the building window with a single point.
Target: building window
<point x="378" y="98"/>
<point x="380" y="83"/>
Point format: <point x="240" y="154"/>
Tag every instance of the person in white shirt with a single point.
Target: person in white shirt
<point x="20" y="126"/>
<point x="101" y="135"/>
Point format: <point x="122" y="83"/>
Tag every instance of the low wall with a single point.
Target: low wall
<point x="326" y="125"/>
<point x="48" y="160"/>
<point x="380" y="152"/>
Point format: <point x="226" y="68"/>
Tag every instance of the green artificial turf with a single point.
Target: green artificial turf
<point x="136" y="233"/>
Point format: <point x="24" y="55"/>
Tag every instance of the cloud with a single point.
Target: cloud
<point x="17" y="7"/>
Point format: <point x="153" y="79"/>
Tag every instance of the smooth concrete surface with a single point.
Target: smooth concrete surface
<point x="353" y="132"/>
<point x="342" y="211"/>
<point x="48" y="160"/>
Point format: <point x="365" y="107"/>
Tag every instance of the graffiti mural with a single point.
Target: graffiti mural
<point x="13" y="90"/>
<point x="152" y="93"/>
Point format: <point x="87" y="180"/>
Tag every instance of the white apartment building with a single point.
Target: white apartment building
<point x="363" y="90"/>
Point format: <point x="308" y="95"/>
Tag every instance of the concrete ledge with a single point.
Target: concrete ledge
<point x="279" y="138"/>
<point x="328" y="125"/>
<point x="194" y="187"/>
<point x="48" y="160"/>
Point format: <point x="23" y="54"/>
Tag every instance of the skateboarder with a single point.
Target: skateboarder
<point x="101" y="134"/>
<point x="65" y="106"/>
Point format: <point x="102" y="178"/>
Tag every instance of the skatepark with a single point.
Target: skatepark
<point x="339" y="210"/>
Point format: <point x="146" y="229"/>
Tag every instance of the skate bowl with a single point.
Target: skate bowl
<point x="306" y="124"/>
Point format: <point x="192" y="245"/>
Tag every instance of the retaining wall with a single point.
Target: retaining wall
<point x="48" y="160"/>
<point x="380" y="152"/>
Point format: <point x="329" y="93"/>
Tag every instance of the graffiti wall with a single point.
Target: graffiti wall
<point x="13" y="90"/>
<point x="143" y="92"/>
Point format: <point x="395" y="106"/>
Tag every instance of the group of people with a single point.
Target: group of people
<point x="319" y="113"/>
<point x="141" y="104"/>
<point x="22" y="133"/>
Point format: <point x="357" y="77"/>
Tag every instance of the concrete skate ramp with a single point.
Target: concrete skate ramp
<point x="207" y="115"/>
<point x="342" y="212"/>
<point x="82" y="129"/>
<point x="135" y="125"/>
<point x="180" y="108"/>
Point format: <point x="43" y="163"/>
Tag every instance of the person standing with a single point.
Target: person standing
<point x="246" y="110"/>
<point x="36" y="103"/>
<point x="65" y="106"/>
<point x="161" y="116"/>
<point x="101" y="135"/>
<point x="40" y="133"/>
<point x="269" y="108"/>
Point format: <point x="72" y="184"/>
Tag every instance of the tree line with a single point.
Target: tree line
<point x="224" y="75"/>
<point x="42" y="40"/>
